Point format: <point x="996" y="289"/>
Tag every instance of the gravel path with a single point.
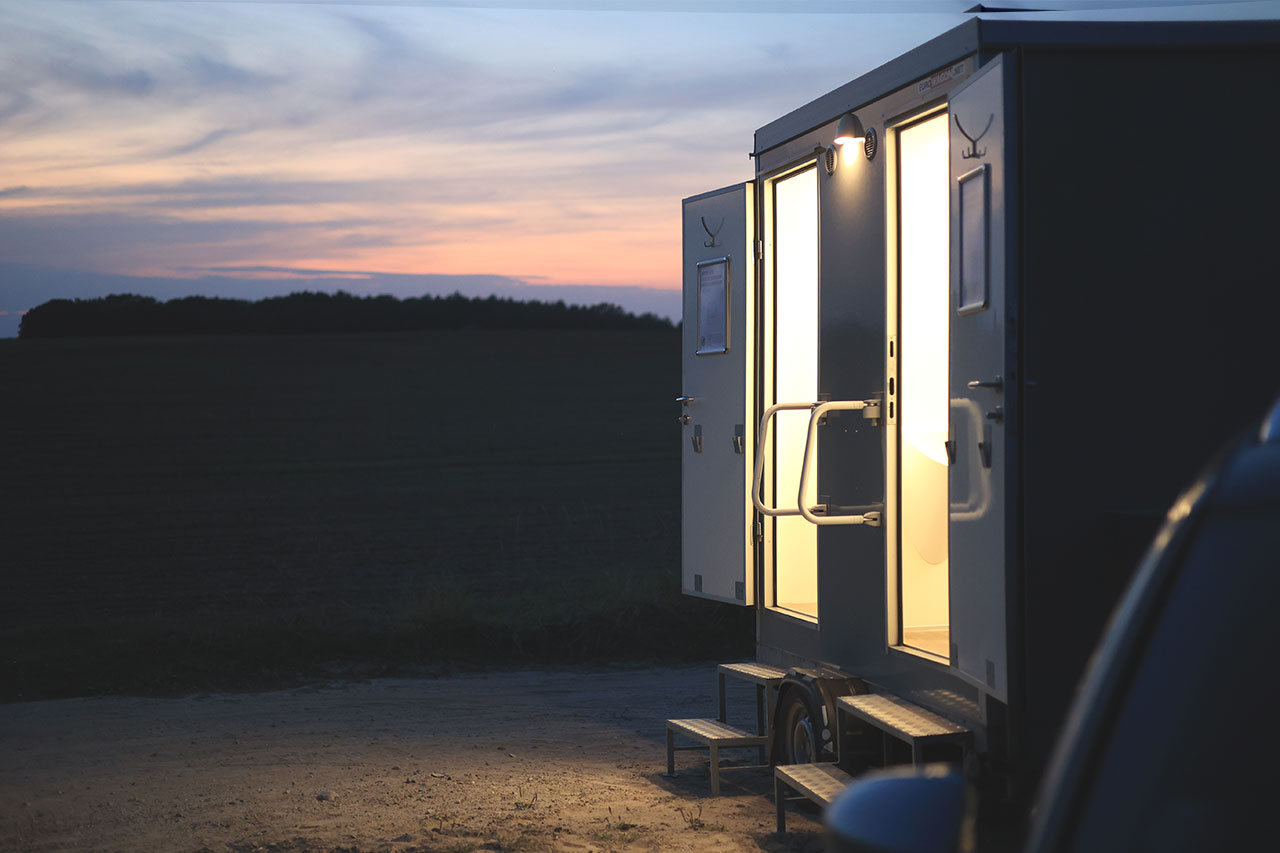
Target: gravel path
<point x="528" y="760"/>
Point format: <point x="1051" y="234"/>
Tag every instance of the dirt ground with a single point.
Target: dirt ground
<point x="540" y="760"/>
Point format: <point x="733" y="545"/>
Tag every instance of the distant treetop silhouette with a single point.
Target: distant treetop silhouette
<point x="306" y="312"/>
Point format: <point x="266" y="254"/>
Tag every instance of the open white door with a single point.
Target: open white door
<point x="717" y="411"/>
<point x="981" y="158"/>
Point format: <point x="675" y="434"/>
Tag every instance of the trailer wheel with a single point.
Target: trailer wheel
<point x="796" y="726"/>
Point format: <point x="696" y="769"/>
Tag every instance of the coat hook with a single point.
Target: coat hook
<point x="973" y="151"/>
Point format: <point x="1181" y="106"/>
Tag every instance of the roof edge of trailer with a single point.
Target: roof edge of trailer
<point x="994" y="34"/>
<point x="894" y="74"/>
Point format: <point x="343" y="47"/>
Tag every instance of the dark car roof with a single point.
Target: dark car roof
<point x="1243" y="481"/>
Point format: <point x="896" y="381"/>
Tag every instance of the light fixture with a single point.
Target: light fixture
<point x="849" y="130"/>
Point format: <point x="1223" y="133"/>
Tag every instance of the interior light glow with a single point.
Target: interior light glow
<point x="796" y="380"/>
<point x="923" y="397"/>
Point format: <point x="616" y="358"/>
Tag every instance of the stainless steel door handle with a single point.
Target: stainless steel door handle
<point x="684" y="401"/>
<point x="997" y="383"/>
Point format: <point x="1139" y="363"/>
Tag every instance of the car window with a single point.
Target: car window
<point x="1191" y="761"/>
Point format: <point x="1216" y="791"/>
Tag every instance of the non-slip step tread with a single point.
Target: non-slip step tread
<point x="900" y="717"/>
<point x="758" y="673"/>
<point x="708" y="730"/>
<point x="819" y="782"/>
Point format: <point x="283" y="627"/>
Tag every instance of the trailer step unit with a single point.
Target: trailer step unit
<point x="767" y="680"/>
<point x="718" y="734"/>
<point x="712" y="735"/>
<point x="907" y="722"/>
<point x="818" y="783"/>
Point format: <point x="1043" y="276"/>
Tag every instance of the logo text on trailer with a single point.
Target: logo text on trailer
<point x="941" y="77"/>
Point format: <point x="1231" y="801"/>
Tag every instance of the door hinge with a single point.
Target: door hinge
<point x="759" y="250"/>
<point x="757" y="532"/>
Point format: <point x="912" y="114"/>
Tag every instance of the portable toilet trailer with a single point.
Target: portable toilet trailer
<point x="942" y="381"/>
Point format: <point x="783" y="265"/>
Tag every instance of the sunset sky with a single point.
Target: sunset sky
<point x="252" y="148"/>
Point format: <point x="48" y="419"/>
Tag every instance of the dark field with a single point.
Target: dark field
<point x="204" y="512"/>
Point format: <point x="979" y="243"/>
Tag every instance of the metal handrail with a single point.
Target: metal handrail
<point x="820" y="409"/>
<point x="757" y="480"/>
<point x="817" y="410"/>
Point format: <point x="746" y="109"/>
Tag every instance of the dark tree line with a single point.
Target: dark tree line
<point x="128" y="314"/>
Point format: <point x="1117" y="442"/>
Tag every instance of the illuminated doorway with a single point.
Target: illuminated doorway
<point x="923" y="197"/>
<point x="792" y="342"/>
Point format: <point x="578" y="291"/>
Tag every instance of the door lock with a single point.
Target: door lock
<point x="684" y="400"/>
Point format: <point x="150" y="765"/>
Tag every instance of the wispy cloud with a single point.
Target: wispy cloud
<point x="158" y="137"/>
<point x="210" y="138"/>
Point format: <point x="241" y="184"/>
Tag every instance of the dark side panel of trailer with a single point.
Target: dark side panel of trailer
<point x="1150" y="311"/>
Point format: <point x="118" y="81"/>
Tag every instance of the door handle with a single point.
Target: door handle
<point x="996" y="384"/>
<point x="870" y="519"/>
<point x="684" y="401"/>
<point x="816" y="411"/>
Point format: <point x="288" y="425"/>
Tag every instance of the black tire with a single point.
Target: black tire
<point x="799" y="726"/>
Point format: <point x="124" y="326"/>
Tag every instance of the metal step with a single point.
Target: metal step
<point x="756" y="673"/>
<point x="714" y="736"/>
<point x="766" y="679"/>
<point x="819" y="783"/>
<point x="903" y="720"/>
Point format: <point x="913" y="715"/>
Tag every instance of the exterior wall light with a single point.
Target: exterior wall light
<point x="849" y="130"/>
<point x="850" y="134"/>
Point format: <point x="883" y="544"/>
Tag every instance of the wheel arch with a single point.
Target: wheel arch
<point x="818" y="689"/>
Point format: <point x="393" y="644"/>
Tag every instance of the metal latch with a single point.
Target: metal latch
<point x="684" y="402"/>
<point x="739" y="439"/>
<point x="869" y="519"/>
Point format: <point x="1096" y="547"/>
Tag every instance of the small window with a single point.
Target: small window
<point x="713" y="306"/>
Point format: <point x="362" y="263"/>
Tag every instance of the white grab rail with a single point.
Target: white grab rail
<point x="816" y="411"/>
<point x="760" y="444"/>
<point x="871" y="519"/>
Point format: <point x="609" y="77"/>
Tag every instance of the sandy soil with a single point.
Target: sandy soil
<point x="527" y="760"/>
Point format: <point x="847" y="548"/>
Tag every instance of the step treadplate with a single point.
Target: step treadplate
<point x="723" y="734"/>
<point x="900" y="717"/>
<point x="820" y="783"/>
<point x="758" y="673"/>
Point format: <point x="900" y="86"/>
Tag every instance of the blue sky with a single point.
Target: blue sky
<point x="250" y="148"/>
